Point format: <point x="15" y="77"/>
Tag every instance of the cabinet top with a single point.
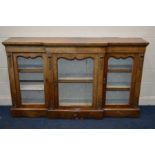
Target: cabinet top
<point x="42" y="41"/>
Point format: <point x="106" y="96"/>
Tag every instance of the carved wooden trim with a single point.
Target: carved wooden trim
<point x="75" y="57"/>
<point x="101" y="61"/>
<point x="121" y="56"/>
<point x="46" y="81"/>
<point x="9" y="54"/>
<point x="141" y="55"/>
<point x="49" y="60"/>
<point x="29" y="56"/>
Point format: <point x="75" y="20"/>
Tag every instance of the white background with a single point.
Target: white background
<point x="77" y="13"/>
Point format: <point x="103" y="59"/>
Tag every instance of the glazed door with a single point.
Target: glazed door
<point x="120" y="80"/>
<point x="76" y="79"/>
<point x="31" y="79"/>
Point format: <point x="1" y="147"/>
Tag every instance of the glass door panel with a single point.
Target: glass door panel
<point x="30" y="63"/>
<point x="76" y="69"/>
<point x="32" y="97"/>
<point x="75" y="94"/>
<point x="119" y="80"/>
<point x="75" y="82"/>
<point x="117" y="97"/>
<point x="126" y="63"/>
<point x="31" y="79"/>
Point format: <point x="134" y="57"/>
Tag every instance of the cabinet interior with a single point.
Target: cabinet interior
<point x="31" y="78"/>
<point x="75" y="78"/>
<point x="119" y="80"/>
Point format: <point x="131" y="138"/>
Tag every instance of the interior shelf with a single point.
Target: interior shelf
<point x="117" y="87"/>
<point x="32" y="86"/>
<point x="30" y="70"/>
<point x="75" y="79"/>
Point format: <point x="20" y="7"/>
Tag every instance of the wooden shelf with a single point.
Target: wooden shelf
<point x="75" y="80"/>
<point x="120" y="68"/>
<point x="119" y="88"/>
<point x="32" y="86"/>
<point x="30" y="70"/>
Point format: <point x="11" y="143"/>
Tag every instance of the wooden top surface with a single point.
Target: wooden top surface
<point x="41" y="41"/>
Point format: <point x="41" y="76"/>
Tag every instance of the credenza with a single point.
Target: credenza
<point x="75" y="77"/>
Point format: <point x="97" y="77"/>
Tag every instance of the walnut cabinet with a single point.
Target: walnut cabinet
<point x="75" y="77"/>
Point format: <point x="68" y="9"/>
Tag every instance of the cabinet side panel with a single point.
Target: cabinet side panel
<point x="12" y="78"/>
<point x="140" y="59"/>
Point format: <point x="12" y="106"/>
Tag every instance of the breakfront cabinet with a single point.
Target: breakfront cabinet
<point x="75" y="77"/>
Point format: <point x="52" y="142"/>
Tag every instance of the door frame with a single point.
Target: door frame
<point x="17" y="81"/>
<point x="133" y="78"/>
<point x="96" y="78"/>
